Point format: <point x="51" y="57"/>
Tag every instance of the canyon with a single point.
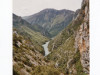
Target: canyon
<point x="36" y="53"/>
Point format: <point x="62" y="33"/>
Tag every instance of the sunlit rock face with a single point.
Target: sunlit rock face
<point x="82" y="37"/>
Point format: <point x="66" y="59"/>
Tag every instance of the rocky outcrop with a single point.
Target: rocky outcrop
<point x="82" y="38"/>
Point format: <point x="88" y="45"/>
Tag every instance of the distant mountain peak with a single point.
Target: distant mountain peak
<point x="51" y="20"/>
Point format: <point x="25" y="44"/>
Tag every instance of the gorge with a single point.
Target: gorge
<point x="36" y="53"/>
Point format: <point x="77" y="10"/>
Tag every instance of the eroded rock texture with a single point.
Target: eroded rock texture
<point x="82" y="38"/>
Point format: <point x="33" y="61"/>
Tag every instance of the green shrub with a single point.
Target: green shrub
<point x="45" y="70"/>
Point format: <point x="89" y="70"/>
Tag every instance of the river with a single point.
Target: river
<point x="45" y="46"/>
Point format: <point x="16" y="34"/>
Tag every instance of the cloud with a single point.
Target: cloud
<point x="28" y="7"/>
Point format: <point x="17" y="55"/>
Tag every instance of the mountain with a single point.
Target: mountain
<point x="53" y="21"/>
<point x="34" y="27"/>
<point x="70" y="48"/>
<point x="28" y="53"/>
<point x="26" y="30"/>
<point x="27" y="60"/>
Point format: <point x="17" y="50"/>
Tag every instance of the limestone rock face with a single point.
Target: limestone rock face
<point x="82" y="38"/>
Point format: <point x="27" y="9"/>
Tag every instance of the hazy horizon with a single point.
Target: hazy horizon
<point x="29" y="7"/>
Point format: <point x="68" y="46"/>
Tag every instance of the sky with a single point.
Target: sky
<point x="29" y="7"/>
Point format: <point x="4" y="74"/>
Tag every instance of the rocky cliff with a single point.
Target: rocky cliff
<point x="82" y="38"/>
<point x="70" y="48"/>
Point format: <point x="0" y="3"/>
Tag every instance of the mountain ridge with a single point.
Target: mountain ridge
<point x="51" y="20"/>
<point x="25" y="29"/>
